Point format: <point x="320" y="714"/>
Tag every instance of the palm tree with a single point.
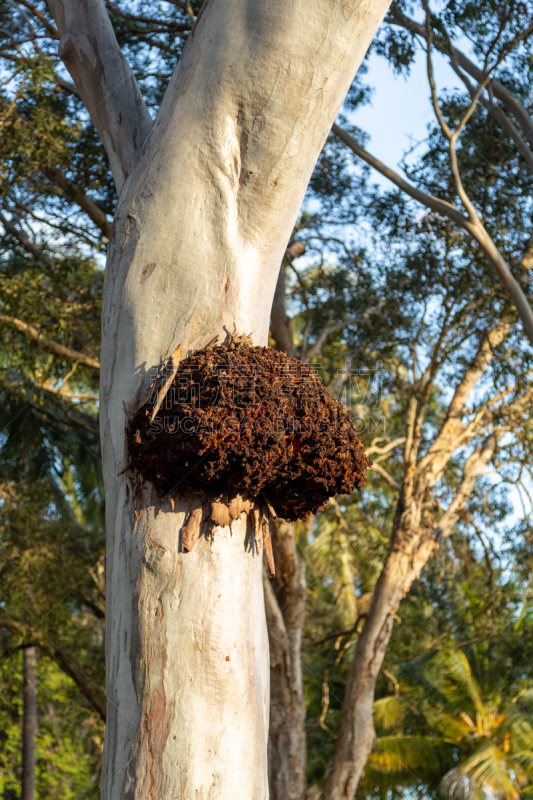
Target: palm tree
<point x="477" y="748"/>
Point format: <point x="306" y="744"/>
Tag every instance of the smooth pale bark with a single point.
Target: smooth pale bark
<point x="285" y="598"/>
<point x="29" y="722"/>
<point x="200" y="230"/>
<point x="190" y="640"/>
<point x="104" y="80"/>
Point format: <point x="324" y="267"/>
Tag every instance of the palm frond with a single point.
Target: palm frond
<point x="387" y="711"/>
<point x="453" y="677"/>
<point x="489" y="771"/>
<point x="397" y="754"/>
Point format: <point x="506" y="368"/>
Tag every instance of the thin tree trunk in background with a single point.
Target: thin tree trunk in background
<point x="29" y="722"/>
<point x="287" y="745"/>
<point x="285" y="600"/>
<point x="63" y="659"/>
<point x="280" y="323"/>
<point x="408" y="555"/>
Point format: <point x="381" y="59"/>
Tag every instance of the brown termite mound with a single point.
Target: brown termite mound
<point x="237" y="420"/>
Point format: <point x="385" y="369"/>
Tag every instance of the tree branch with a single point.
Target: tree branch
<point x="168" y="26"/>
<point x="41" y="17"/>
<point x="280" y="323"/>
<point x="104" y="80"/>
<point x="436" y="204"/>
<point x="382" y="451"/>
<point x="277" y="632"/>
<point x="73" y="191"/>
<point x="431" y="80"/>
<point x="385" y="475"/>
<point x="309" y="316"/>
<point x="47" y="344"/>
<point x="61" y="392"/>
<point x="452" y="137"/>
<point x="31" y="248"/>
<point x="475" y="229"/>
<point x="338" y="326"/>
<point x="475" y="465"/>
<point x="499" y="115"/>
<point x="510" y="102"/>
<point x="449" y="436"/>
<point x="68" y="420"/>
<point x="67" y="86"/>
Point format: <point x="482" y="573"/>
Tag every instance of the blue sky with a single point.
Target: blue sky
<point x="400" y="110"/>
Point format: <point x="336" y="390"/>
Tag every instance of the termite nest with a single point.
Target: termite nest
<point x="246" y="420"/>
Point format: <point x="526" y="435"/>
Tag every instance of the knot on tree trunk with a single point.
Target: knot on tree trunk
<point x="248" y="420"/>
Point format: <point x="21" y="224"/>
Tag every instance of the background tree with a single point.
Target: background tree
<point x="29" y="725"/>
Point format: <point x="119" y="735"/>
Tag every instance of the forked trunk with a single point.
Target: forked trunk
<point x="199" y="234"/>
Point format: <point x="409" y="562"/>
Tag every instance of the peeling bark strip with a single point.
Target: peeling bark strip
<point x="221" y="513"/>
<point x="172" y="368"/>
<point x="225" y="166"/>
<point x="191" y="531"/>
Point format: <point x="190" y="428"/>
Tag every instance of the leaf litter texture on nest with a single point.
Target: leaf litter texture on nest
<point x="250" y="420"/>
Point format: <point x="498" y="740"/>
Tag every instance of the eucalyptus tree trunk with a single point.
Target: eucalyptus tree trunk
<point x="280" y="323"/>
<point x="209" y="200"/>
<point x="29" y="722"/>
